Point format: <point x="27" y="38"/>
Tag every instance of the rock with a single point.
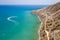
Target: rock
<point x="50" y="19"/>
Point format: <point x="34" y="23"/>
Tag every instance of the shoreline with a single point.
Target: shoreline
<point x="39" y="29"/>
<point x="49" y="25"/>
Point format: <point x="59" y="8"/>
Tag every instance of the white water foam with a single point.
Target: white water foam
<point x="10" y="19"/>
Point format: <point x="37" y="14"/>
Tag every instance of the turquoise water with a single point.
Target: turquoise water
<point x="18" y="23"/>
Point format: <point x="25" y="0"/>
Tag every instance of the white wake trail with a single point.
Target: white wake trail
<point x="10" y="19"/>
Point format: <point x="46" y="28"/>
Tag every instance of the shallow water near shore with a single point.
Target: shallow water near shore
<point x="18" y="24"/>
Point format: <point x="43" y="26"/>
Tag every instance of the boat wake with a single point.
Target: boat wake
<point x="11" y="20"/>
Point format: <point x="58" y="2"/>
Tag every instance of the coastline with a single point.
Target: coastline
<point x="38" y="31"/>
<point x="38" y="27"/>
<point x="49" y="25"/>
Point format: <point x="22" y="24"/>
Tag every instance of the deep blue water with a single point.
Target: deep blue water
<point x="18" y="23"/>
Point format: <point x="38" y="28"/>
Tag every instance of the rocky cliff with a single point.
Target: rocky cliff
<point x="50" y="22"/>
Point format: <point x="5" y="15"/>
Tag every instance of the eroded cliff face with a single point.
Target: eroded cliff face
<point x="50" y="22"/>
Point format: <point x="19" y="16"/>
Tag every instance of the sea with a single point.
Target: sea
<point x="17" y="22"/>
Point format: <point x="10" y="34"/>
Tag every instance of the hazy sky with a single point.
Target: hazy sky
<point x="29" y="2"/>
